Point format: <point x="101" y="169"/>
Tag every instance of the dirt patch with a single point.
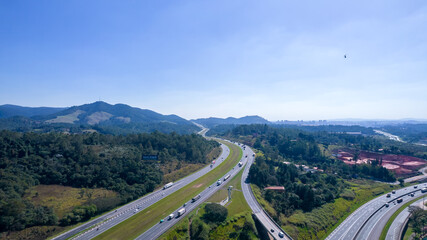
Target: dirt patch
<point x="198" y="185"/>
<point x="401" y="165"/>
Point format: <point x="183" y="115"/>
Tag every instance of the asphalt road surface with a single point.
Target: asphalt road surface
<point x="99" y="225"/>
<point x="400" y="222"/>
<point x="366" y="221"/>
<point x="160" y="228"/>
<point x="254" y="205"/>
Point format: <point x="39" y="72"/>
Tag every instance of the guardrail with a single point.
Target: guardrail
<point x="367" y="220"/>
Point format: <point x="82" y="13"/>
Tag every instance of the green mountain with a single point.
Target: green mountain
<point x="102" y="117"/>
<point x="212" y="122"/>
<point x="9" y="110"/>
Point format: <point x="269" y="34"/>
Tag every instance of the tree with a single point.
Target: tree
<point x="401" y="181"/>
<point x="215" y="213"/>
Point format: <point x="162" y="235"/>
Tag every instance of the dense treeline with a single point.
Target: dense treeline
<point x="85" y="160"/>
<point x="408" y="132"/>
<point x="304" y="189"/>
<point x="23" y="124"/>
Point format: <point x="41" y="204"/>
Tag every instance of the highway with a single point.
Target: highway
<point x="369" y="219"/>
<point x="160" y="228"/>
<point x="254" y="205"/>
<point x="396" y="228"/>
<point x="99" y="225"/>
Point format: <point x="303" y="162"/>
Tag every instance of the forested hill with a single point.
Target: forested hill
<point x="212" y="122"/>
<point x="86" y="161"/>
<point x="98" y="116"/>
<point x="9" y="110"/>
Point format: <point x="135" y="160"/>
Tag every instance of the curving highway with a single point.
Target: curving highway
<point x="160" y="228"/>
<point x="262" y="216"/>
<point x="99" y="225"/>
<point x="368" y="220"/>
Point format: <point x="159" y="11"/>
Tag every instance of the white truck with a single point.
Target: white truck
<point x="181" y="212"/>
<point x="170" y="216"/>
<point x="195" y="198"/>
<point x="168" y="185"/>
<point x="218" y="182"/>
<point x="226" y="177"/>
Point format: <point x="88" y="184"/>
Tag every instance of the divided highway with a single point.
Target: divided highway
<point x="262" y="216"/>
<point x="160" y="228"/>
<point x="99" y="225"/>
<point x="368" y="221"/>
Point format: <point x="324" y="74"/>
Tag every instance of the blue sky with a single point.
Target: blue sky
<point x="277" y="59"/>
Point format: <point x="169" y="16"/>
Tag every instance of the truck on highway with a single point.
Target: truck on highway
<point x="240" y="164"/>
<point x="423" y="190"/>
<point x="218" y="182"/>
<point x="195" y="198"/>
<point x="168" y="185"/>
<point x="181" y="212"/>
<point x="170" y="216"/>
<point x="399" y="200"/>
<point x="226" y="177"/>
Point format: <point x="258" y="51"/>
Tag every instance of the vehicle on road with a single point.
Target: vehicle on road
<point x="195" y="198"/>
<point x="185" y="204"/>
<point x="272" y="230"/>
<point x="388" y="195"/>
<point x="415" y="186"/>
<point x="161" y="220"/>
<point x="394" y="191"/>
<point x="386" y="205"/>
<point x="423" y="190"/>
<point x="170" y="216"/>
<point x="253" y="155"/>
<point x="213" y="162"/>
<point x="412" y="194"/>
<point x="226" y="177"/>
<point x="181" y="212"/>
<point x="240" y="164"/>
<point x="168" y="185"/>
<point x="281" y="235"/>
<point x="218" y="182"/>
<point x="399" y="200"/>
<point x="136" y="210"/>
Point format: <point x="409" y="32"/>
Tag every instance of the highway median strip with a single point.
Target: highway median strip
<point x="395" y="214"/>
<point x="140" y="222"/>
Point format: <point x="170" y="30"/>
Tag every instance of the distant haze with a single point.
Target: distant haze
<point x="198" y="59"/>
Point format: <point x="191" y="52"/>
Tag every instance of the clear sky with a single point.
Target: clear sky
<point x="277" y="59"/>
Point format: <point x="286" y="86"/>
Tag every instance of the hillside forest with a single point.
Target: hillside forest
<point x="87" y="162"/>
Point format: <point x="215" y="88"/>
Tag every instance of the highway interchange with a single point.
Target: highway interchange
<point x="366" y="222"/>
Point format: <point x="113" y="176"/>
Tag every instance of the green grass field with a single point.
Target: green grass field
<point x="238" y="212"/>
<point x="139" y="223"/>
<point x="395" y="214"/>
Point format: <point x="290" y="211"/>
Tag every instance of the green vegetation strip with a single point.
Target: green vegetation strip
<point x="237" y="207"/>
<point x="390" y="221"/>
<point x="141" y="222"/>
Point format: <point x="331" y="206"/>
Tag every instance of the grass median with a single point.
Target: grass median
<point x="236" y="208"/>
<point x="141" y="222"/>
<point x="395" y="214"/>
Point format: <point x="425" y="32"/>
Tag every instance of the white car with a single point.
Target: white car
<point x="281" y="235"/>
